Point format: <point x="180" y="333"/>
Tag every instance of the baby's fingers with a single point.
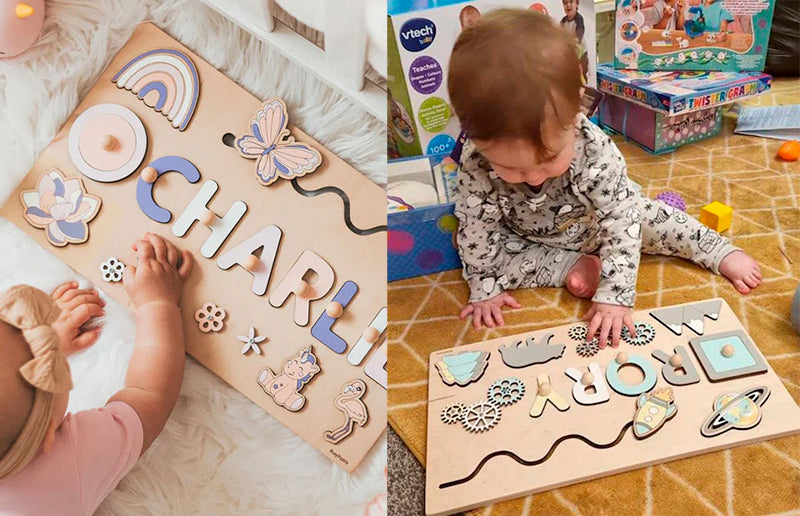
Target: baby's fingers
<point x="498" y="316"/>
<point x="465" y="312"/>
<point x="511" y="301"/>
<point x="84" y="299"/>
<point x="159" y="246"/>
<point x="476" y="317"/>
<point x="616" y="331"/>
<point x="487" y="317"/>
<point x="71" y="294"/>
<point x="594" y="325"/>
<point x="629" y="324"/>
<point x="83" y="313"/>
<point x="187" y="262"/>
<point x="86" y="339"/>
<point x="63" y="288"/>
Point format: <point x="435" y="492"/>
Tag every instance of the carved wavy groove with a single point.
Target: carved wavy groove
<point x="346" y="200"/>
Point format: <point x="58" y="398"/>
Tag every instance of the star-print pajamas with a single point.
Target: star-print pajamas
<point x="514" y="236"/>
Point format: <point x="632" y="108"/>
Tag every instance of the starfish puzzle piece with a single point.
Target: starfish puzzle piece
<point x="251" y="341"/>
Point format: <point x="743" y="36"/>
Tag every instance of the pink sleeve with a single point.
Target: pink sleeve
<point x="107" y="443"/>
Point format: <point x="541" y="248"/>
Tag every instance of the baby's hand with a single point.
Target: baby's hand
<point x="490" y="310"/>
<point x="608" y="319"/>
<point x="77" y="307"/>
<point x="159" y="272"/>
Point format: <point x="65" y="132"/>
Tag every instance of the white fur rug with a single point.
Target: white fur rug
<point x="219" y="454"/>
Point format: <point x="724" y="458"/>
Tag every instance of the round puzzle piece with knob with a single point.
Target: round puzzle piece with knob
<point x="481" y="417"/>
<point x="506" y="391"/>
<point x="107" y="143"/>
<point x="645" y="333"/>
<point x="453" y="413"/>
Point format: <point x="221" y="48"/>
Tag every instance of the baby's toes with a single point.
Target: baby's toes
<point x="741" y="286"/>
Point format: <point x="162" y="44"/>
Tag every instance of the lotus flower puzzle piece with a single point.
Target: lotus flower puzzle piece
<point x="210" y="318"/>
<point x="691" y="316"/>
<point x="735" y="410"/>
<point x="652" y="411"/>
<point x="61" y="207"/>
<point x="354" y="410"/>
<point x="251" y="341"/>
<point x="546" y="394"/>
<point x="531" y="352"/>
<point x="284" y="388"/>
<point x="276" y="153"/>
<point x="165" y="80"/>
<point x="107" y="143"/>
<point x="462" y="368"/>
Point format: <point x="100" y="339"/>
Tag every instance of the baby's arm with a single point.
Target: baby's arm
<point x="155" y="373"/>
<point x="479" y="219"/>
<point x="604" y="181"/>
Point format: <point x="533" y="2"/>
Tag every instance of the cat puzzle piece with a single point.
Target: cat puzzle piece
<point x="589" y="388"/>
<point x="546" y="394"/>
<point x="107" y="143"/>
<point x="692" y="316"/>
<point x="251" y="341"/>
<point x="284" y="388"/>
<point x="165" y="80"/>
<point x="531" y="352"/>
<point x="680" y="361"/>
<point x="652" y="411"/>
<point x="323" y="328"/>
<point x="368" y="338"/>
<point x="462" y="368"/>
<point x="728" y="355"/>
<point x="277" y="154"/>
<point x="735" y="410"/>
<point x="354" y="410"/>
<point x="61" y="207"/>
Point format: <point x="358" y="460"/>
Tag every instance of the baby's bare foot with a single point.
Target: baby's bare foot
<point x="741" y="270"/>
<point x="584" y="277"/>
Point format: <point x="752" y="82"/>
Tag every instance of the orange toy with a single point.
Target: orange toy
<point x="789" y="151"/>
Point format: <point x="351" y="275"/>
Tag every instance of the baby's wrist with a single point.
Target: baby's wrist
<point x="158" y="304"/>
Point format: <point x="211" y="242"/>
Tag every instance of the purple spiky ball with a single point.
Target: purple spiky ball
<point x="672" y="199"/>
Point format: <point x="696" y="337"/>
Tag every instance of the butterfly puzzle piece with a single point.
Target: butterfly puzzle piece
<point x="277" y="154"/>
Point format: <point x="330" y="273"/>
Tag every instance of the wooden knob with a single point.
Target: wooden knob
<point x="371" y="335"/>
<point x="335" y="310"/>
<point x="676" y="360"/>
<point x="252" y="263"/>
<point x="149" y="175"/>
<point x="109" y="142"/>
<point x="728" y="351"/>
<point x="207" y="217"/>
<point x="587" y="378"/>
<point x="301" y="289"/>
<point x="545" y="389"/>
<point x="622" y="357"/>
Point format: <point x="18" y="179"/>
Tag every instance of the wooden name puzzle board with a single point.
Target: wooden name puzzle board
<point x="287" y="299"/>
<point x="528" y="413"/>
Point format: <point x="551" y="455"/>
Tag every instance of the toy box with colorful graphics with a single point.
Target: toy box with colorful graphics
<point x="674" y="93"/>
<point x="655" y="131"/>
<point x="422" y="34"/>
<point x="692" y="34"/>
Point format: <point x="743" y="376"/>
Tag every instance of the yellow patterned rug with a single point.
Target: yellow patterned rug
<point x="739" y="171"/>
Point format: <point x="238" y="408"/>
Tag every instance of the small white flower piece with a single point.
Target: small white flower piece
<point x="112" y="270"/>
<point x="708" y="55"/>
<point x="693" y="55"/>
<point x="721" y="56"/>
<point x="251" y="342"/>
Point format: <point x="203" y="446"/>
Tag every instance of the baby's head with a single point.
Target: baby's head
<point x="34" y="377"/>
<point x="469" y="16"/>
<point x="514" y="83"/>
<point x="570" y="8"/>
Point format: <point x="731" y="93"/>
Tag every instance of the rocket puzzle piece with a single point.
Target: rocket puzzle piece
<point x="652" y="411"/>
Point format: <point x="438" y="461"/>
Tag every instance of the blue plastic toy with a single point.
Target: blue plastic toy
<point x="697" y="25"/>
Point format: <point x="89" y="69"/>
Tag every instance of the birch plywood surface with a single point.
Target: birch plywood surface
<point x="454" y="453"/>
<point x="308" y="223"/>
